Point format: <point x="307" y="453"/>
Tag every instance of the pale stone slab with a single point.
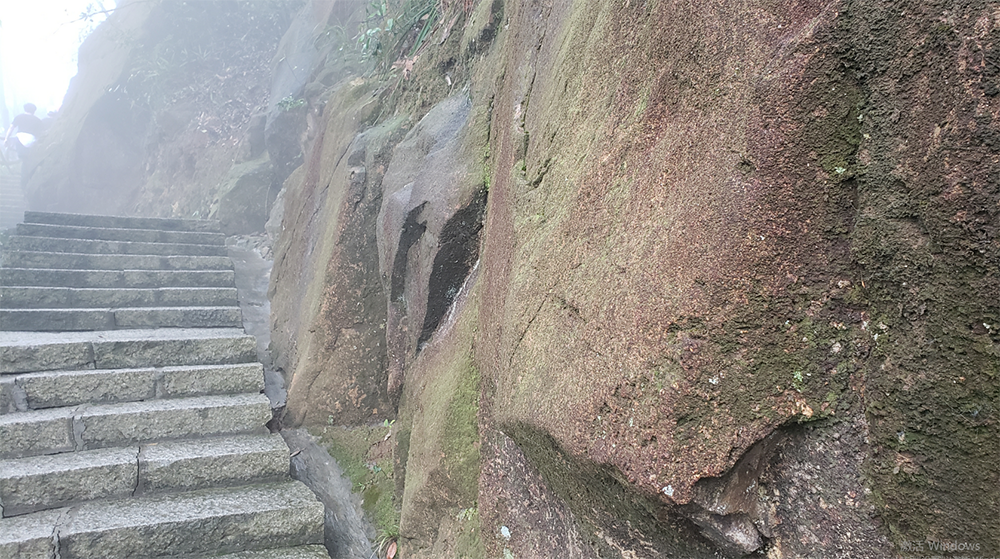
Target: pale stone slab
<point x="36" y="432"/>
<point x="216" y="462"/>
<point x="56" y="320"/>
<point x="29" y="536"/>
<point x="69" y="388"/>
<point x="80" y="298"/>
<point x="197" y="297"/>
<point x="78" y="261"/>
<point x="35" y="297"/>
<point x="59" y="278"/>
<point x="51" y="389"/>
<point x="120" y="234"/>
<point x="179" y="278"/>
<point x="211" y="379"/>
<point x="40" y="277"/>
<point x="131" y="422"/>
<point x="179" y="317"/>
<point x="117" y="222"/>
<point x="45" y="482"/>
<point x="22" y="352"/>
<point x="198" y="522"/>
<point x="88" y="246"/>
<point x="113" y="354"/>
<point x="25" y="356"/>
<point x="302" y="552"/>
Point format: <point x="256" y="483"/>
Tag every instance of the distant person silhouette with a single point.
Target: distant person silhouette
<point x="29" y="127"/>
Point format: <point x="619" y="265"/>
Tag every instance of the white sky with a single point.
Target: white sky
<point x="39" y="40"/>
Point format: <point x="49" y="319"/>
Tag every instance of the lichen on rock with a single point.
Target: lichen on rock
<point x="639" y="279"/>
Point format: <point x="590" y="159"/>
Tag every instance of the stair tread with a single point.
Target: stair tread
<point x="301" y="552"/>
<point x="159" y="509"/>
<point x="119" y="233"/>
<point x="33" y="483"/>
<point x="123" y="222"/>
<point x="63" y="277"/>
<point x="196" y="522"/>
<point x="47" y="389"/>
<point x="110" y="246"/>
<point x="50" y="297"/>
<point x="90" y="426"/>
<point x="26" y="352"/>
<point x="86" y="261"/>
<point x="14" y="337"/>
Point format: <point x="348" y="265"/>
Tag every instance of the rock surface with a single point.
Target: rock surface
<point x="687" y="252"/>
<point x="706" y="279"/>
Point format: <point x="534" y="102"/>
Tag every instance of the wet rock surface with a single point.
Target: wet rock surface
<point x="652" y="279"/>
<point x="348" y="535"/>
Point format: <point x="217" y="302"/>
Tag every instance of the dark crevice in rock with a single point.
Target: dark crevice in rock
<point x="413" y="229"/>
<point x="607" y="510"/>
<point x="459" y="250"/>
<point x="731" y="510"/>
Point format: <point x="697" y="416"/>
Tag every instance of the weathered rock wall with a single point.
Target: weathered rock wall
<point x="642" y="279"/>
<point x="737" y="287"/>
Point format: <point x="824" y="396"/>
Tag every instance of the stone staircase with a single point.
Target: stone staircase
<point x="131" y="413"/>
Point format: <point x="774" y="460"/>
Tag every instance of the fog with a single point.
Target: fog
<point x="38" y="47"/>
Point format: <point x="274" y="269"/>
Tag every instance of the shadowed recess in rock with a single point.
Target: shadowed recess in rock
<point x="458" y="251"/>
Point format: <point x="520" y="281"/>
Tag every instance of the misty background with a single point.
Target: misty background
<point x="39" y="41"/>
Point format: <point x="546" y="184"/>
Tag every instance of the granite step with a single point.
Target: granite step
<point x="205" y="522"/>
<point x="153" y="279"/>
<point x="116" y="222"/>
<point x="53" y="389"/>
<point x="27" y="352"/>
<point x="75" y="320"/>
<point x="30" y="536"/>
<point x="76" y="261"/>
<point x="132" y="419"/>
<point x="88" y="427"/>
<point x="45" y="482"/>
<point x="119" y="234"/>
<point x="301" y="552"/>
<point x="52" y="481"/>
<point x="86" y="246"/>
<point x="71" y="297"/>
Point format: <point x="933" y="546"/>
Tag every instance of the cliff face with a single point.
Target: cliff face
<point x="647" y="279"/>
<point x="735" y="287"/>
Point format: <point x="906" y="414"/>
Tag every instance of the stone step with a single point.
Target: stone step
<point x="70" y="297"/>
<point x="53" y="389"/>
<point x="116" y="278"/>
<point x="134" y="235"/>
<point x="216" y="462"/>
<point x="74" y="261"/>
<point x="45" y="482"/>
<point x="89" y="427"/>
<point x="85" y="246"/>
<point x="205" y="522"/>
<point x="113" y="222"/>
<point x="30" y="536"/>
<point x="301" y="552"/>
<point x="74" y="320"/>
<point x="27" y="352"/>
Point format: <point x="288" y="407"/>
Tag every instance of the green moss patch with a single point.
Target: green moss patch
<point x="366" y="455"/>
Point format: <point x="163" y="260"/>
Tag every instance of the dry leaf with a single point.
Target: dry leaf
<point x="391" y="552"/>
